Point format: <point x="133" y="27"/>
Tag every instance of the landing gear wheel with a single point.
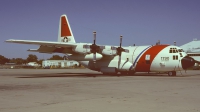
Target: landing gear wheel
<point x="172" y="73"/>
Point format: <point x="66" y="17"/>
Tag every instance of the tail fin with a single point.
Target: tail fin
<point x="65" y="33"/>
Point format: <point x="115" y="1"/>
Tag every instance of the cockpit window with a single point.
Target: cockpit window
<point x="180" y="50"/>
<point x="173" y="50"/>
<point x="170" y="51"/>
<point x="181" y="55"/>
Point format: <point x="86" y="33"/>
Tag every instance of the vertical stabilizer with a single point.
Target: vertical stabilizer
<point x="65" y="33"/>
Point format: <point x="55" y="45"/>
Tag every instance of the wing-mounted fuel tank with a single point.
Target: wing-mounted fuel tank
<point x="84" y="57"/>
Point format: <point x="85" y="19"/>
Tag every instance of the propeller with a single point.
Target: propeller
<point x="120" y="50"/>
<point x="94" y="48"/>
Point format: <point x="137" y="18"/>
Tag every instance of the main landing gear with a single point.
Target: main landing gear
<point x="172" y="73"/>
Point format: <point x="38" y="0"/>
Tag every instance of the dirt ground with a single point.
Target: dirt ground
<point x="82" y="90"/>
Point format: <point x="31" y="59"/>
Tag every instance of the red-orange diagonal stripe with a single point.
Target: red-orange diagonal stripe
<point x="142" y="66"/>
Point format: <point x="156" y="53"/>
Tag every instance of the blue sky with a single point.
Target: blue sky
<point x="141" y="22"/>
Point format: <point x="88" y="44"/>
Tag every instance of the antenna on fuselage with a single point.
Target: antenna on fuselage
<point x="95" y="48"/>
<point x="158" y="43"/>
<point x="175" y="43"/>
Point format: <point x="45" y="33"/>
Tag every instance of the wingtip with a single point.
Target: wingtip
<point x="10" y="40"/>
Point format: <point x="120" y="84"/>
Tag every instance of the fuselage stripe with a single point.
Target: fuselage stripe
<point x="138" y="57"/>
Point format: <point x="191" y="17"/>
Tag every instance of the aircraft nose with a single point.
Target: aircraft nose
<point x="187" y="62"/>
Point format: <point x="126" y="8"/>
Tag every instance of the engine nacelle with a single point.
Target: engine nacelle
<point x="84" y="57"/>
<point x="82" y="49"/>
<point x="109" y="51"/>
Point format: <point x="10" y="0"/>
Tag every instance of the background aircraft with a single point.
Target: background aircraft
<point x="114" y="59"/>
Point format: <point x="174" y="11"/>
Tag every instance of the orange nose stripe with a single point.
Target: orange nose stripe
<point x="142" y="66"/>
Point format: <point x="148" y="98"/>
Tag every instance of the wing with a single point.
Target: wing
<point x="43" y="43"/>
<point x="63" y="47"/>
<point x="47" y="46"/>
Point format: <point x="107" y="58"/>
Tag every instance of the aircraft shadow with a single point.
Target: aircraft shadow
<point x="92" y="75"/>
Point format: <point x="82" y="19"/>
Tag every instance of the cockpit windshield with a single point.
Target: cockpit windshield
<point x="173" y="50"/>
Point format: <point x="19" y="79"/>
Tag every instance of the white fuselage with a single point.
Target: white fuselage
<point x="139" y="59"/>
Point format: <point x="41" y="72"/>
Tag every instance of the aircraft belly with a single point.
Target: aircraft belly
<point x="124" y="65"/>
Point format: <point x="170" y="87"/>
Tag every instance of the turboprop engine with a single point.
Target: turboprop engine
<point x="108" y="50"/>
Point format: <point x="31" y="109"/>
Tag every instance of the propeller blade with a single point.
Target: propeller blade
<point x="120" y="41"/>
<point x="94" y="57"/>
<point x="94" y="49"/>
<point x="119" y="61"/>
<point x="94" y="33"/>
<point x="119" y="50"/>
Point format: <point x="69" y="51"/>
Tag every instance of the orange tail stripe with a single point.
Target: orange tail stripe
<point x="65" y="31"/>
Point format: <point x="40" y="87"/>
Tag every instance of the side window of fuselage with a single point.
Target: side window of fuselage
<point x="147" y="59"/>
<point x="175" y="52"/>
<point x="175" y="57"/>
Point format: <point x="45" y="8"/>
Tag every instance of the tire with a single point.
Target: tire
<point x="170" y="73"/>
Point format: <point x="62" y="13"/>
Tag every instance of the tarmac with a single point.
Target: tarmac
<point x="83" y="90"/>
